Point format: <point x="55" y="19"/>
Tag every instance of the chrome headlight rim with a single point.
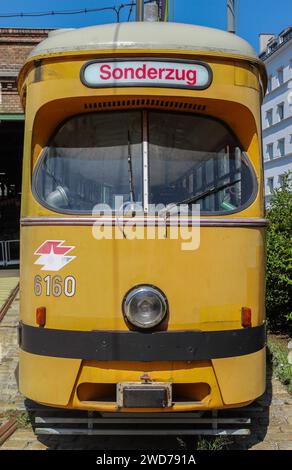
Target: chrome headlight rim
<point x="130" y="295"/>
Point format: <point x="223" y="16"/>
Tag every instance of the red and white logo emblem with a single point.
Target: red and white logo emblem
<point x="53" y="255"/>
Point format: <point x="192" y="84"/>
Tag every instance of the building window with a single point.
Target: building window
<point x="269" y="117"/>
<point x="270" y="185"/>
<point x="272" y="45"/>
<point x="281" y="180"/>
<point x="269" y="89"/>
<point x="280" y="73"/>
<point x="280" y="111"/>
<point x="270" y="152"/>
<point x="281" y="147"/>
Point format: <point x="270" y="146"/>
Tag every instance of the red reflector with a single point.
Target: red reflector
<point x="41" y="316"/>
<point x="246" y="317"/>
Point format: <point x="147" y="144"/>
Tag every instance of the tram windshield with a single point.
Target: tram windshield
<point x="100" y="158"/>
<point x="196" y="159"/>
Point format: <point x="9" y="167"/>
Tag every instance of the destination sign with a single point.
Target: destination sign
<point x="193" y="75"/>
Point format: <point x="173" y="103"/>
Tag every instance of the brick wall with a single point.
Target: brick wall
<point x="15" y="45"/>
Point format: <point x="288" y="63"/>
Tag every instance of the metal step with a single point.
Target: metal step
<point x="60" y="420"/>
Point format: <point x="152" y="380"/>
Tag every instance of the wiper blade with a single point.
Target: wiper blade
<point x="207" y="192"/>
<point x="196" y="197"/>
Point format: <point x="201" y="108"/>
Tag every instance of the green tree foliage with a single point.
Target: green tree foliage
<point x="279" y="258"/>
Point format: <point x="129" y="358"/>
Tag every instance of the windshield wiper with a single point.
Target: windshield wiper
<point x="130" y="170"/>
<point x="207" y="192"/>
<point x="198" y="196"/>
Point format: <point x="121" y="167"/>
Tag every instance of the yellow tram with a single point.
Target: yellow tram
<point x="154" y="115"/>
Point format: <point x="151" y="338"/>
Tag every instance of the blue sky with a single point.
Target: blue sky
<point x="254" y="16"/>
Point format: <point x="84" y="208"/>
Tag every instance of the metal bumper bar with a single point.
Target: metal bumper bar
<point x="103" y="345"/>
<point x="125" y="424"/>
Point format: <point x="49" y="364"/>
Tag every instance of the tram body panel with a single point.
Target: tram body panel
<point x="232" y="382"/>
<point x="237" y="376"/>
<point x="206" y="287"/>
<point x="47" y="380"/>
<point x="114" y="264"/>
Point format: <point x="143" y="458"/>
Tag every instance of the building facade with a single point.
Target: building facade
<point x="15" y="45"/>
<point x="276" y="52"/>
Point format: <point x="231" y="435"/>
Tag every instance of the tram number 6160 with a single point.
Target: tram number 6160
<point x="55" y="285"/>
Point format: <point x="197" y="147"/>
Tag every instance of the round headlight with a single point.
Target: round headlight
<point x="145" y="306"/>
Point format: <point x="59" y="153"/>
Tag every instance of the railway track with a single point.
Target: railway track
<point x="9" y="426"/>
<point x="5" y="307"/>
<point x="7" y="429"/>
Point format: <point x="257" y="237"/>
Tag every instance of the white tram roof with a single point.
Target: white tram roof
<point x="144" y="35"/>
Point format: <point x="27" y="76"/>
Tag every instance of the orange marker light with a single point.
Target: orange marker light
<point x="41" y="316"/>
<point x="246" y="317"/>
